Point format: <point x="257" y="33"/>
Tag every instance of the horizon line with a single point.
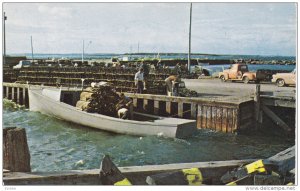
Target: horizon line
<point x="154" y="53"/>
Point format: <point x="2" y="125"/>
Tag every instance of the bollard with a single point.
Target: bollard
<point x="16" y="156"/>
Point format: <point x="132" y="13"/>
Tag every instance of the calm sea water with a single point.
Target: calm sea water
<point x="162" y="55"/>
<point x="59" y="145"/>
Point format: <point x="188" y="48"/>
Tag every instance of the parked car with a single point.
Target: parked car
<point x="22" y="63"/>
<point x="283" y="79"/>
<point x="240" y="72"/>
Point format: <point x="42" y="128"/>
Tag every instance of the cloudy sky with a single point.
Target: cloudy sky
<point x="219" y="28"/>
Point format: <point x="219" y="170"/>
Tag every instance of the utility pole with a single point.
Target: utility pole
<point x="4" y="39"/>
<point x="138" y="47"/>
<point x="189" y="55"/>
<point x="31" y="50"/>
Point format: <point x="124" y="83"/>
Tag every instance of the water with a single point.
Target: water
<point x="59" y="145"/>
<point x="161" y="55"/>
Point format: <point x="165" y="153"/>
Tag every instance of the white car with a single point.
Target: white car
<point x="282" y="79"/>
<point x="22" y="63"/>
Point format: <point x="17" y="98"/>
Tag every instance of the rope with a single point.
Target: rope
<point x="182" y="113"/>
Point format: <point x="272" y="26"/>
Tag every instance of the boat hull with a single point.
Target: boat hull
<point x="168" y="127"/>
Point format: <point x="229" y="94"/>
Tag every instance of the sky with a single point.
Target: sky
<point x="217" y="28"/>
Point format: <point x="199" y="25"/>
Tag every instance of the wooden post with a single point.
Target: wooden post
<point x="276" y="119"/>
<point x="199" y="117"/>
<point x="235" y="120"/>
<point x="180" y="109"/>
<point x="7" y="92"/>
<point x="24" y="96"/>
<point x="168" y="107"/>
<point x="135" y="102"/>
<point x="257" y="106"/>
<point x="110" y="174"/>
<point x="156" y="107"/>
<point x="13" y="94"/>
<point x="131" y="111"/>
<point x="193" y="110"/>
<point x="285" y="160"/>
<point x="4" y="91"/>
<point x="18" y="95"/>
<point x="145" y="104"/>
<point x="16" y="156"/>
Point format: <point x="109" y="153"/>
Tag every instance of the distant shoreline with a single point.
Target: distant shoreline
<point x="156" y="56"/>
<point x="150" y="53"/>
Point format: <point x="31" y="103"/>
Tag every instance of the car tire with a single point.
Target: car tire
<point x="246" y="80"/>
<point x="223" y="78"/>
<point x="280" y="83"/>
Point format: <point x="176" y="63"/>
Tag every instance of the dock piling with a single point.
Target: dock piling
<point x="276" y="119"/>
<point x="134" y="102"/>
<point x="16" y="157"/>
<point x="18" y="96"/>
<point x="7" y="92"/>
<point x="156" y="107"/>
<point x="23" y="96"/>
<point x="145" y="105"/>
<point x="193" y="110"/>
<point x="13" y="94"/>
<point x="180" y="109"/>
<point x="168" y="107"/>
<point x="258" y="114"/>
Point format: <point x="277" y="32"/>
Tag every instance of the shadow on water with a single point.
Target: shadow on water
<point x="67" y="146"/>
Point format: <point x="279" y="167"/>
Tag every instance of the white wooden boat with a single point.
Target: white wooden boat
<point x="48" y="101"/>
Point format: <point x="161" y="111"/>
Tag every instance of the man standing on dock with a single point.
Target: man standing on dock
<point x="171" y="85"/>
<point x="139" y="80"/>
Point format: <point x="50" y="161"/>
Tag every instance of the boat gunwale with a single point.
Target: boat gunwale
<point x="72" y="108"/>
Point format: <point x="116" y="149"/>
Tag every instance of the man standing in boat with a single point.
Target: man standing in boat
<point x="124" y="107"/>
<point x="139" y="80"/>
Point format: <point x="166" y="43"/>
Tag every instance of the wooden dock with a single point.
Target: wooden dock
<point x="219" y="116"/>
<point x="137" y="175"/>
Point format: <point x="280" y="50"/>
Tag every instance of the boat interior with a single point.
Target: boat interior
<point x="72" y="96"/>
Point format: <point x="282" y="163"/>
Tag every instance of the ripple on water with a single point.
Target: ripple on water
<point x="63" y="144"/>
